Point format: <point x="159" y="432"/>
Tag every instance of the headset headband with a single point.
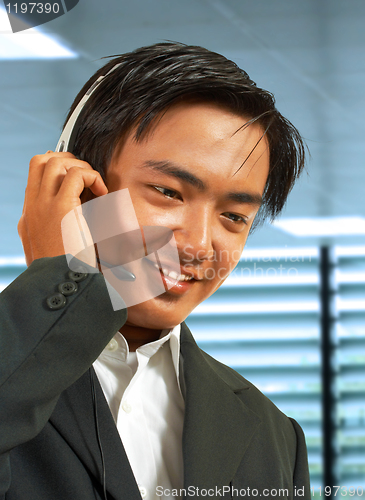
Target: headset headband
<point x="69" y="133"/>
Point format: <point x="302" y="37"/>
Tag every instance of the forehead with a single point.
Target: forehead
<point x="206" y="139"/>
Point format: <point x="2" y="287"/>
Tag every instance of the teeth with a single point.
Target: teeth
<point x="173" y="275"/>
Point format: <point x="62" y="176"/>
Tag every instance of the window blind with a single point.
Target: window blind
<point x="349" y="341"/>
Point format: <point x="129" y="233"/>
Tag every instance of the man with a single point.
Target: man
<point x="203" y="152"/>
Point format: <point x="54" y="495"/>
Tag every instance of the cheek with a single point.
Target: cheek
<point x="228" y="257"/>
<point x="149" y="214"/>
<point x="225" y="260"/>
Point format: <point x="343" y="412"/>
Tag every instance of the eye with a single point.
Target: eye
<point x="169" y="193"/>
<point x="235" y="218"/>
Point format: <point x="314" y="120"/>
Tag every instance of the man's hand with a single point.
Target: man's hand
<point x="55" y="183"/>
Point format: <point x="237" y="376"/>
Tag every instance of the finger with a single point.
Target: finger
<point x="76" y="180"/>
<point x="36" y="170"/>
<point x="54" y="173"/>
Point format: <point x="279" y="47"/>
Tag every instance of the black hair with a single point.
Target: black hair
<point x="152" y="78"/>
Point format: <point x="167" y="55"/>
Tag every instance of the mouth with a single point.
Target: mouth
<point x="176" y="281"/>
<point x="165" y="271"/>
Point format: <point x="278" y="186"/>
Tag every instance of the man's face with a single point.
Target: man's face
<point x="183" y="176"/>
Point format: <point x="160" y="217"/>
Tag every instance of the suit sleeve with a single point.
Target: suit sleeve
<point x="43" y="351"/>
<point x="301" y="472"/>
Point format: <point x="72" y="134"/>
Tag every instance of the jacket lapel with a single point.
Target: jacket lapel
<point x="218" y="426"/>
<point x="74" y="419"/>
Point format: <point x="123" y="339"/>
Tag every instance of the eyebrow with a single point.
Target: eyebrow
<point x="173" y="170"/>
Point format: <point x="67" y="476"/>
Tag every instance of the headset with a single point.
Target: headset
<point x="66" y="143"/>
<point x="68" y="136"/>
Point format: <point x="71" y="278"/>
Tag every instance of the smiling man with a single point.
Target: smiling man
<point x="186" y="175"/>
<point x="98" y="403"/>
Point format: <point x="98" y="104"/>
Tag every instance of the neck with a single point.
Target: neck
<point x="137" y="336"/>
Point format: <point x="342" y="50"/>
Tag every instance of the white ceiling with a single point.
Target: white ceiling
<point x="310" y="53"/>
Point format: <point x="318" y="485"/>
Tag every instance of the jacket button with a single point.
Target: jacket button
<point x="68" y="288"/>
<point x="56" y="301"/>
<point x="77" y="276"/>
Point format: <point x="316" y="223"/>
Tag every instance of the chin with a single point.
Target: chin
<point x="158" y="314"/>
<point x="151" y="322"/>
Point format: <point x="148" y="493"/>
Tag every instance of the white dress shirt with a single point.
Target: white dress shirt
<point x="143" y="391"/>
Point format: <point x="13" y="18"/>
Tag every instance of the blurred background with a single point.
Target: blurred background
<point x="291" y="318"/>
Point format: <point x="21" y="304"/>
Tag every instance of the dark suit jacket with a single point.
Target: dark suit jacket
<point x="234" y="440"/>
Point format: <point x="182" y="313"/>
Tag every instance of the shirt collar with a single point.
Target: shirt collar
<point x="118" y="348"/>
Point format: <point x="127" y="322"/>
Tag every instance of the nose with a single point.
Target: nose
<point x="195" y="238"/>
